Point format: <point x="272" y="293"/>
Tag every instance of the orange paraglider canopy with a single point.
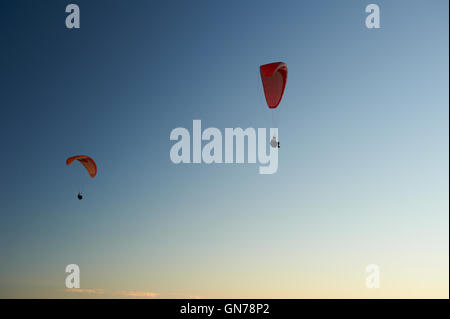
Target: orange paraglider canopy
<point x="273" y="77"/>
<point x="87" y="162"/>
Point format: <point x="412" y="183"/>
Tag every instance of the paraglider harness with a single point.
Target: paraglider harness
<point x="274" y="143"/>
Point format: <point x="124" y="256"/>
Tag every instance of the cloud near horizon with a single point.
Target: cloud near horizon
<point x="117" y="293"/>
<point x="130" y="293"/>
<point x="86" y="291"/>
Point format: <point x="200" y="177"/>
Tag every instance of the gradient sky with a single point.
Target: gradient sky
<point x="363" y="169"/>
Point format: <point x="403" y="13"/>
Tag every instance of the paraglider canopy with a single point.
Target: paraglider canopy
<point x="87" y="162"/>
<point x="273" y="77"/>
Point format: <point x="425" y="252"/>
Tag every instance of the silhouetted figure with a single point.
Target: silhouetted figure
<point x="80" y="196"/>
<point x="274" y="143"/>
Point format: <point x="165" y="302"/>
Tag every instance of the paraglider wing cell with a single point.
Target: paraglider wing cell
<point x="273" y="77"/>
<point x="87" y="162"/>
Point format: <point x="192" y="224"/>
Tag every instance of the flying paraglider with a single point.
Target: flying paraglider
<point x="89" y="165"/>
<point x="274" y="77"/>
<point x="87" y="162"/>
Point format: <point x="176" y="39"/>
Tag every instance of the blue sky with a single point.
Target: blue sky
<point x="363" y="168"/>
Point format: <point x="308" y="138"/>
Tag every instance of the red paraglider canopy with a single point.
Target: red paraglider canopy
<point x="273" y="77"/>
<point x="87" y="162"/>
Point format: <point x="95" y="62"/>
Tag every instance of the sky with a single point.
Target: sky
<point x="363" y="174"/>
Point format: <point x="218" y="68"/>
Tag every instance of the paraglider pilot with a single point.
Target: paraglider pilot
<point x="80" y="196"/>
<point x="274" y="143"/>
